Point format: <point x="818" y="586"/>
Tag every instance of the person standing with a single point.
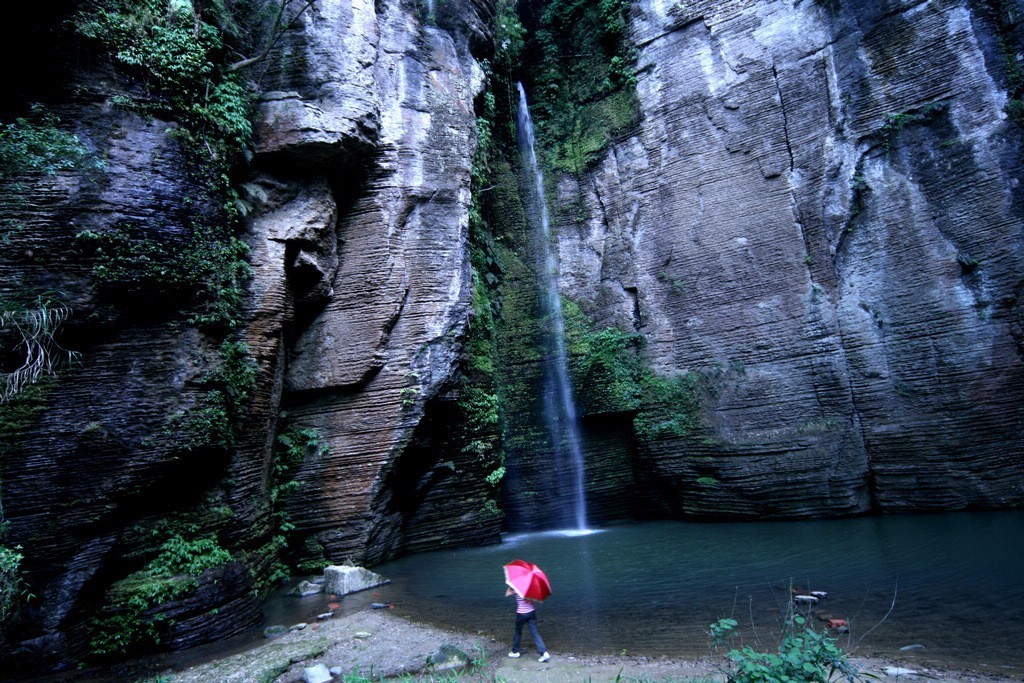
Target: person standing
<point x="526" y="615"/>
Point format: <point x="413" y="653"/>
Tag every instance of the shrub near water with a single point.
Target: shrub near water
<point x="803" y="655"/>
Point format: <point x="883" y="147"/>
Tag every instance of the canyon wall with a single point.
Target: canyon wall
<point x="389" y="148"/>
<point x="820" y="214"/>
<point x="816" y="216"/>
<point x="357" y="200"/>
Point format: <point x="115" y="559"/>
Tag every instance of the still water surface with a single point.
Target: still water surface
<point x="951" y="583"/>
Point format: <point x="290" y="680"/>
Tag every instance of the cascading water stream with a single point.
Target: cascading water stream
<point x="559" y="408"/>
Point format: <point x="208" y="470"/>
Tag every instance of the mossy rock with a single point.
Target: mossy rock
<point x="262" y="665"/>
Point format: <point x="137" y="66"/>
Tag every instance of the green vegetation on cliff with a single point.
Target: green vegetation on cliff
<point x="205" y="275"/>
<point x="478" y="403"/>
<point x="17" y="413"/>
<point x="292" y="446"/>
<point x="611" y="365"/>
<point x="178" y="62"/>
<point x="216" y="421"/>
<point x="29" y="320"/>
<point x="38" y="145"/>
<point x="169" y="556"/>
<point x="133" y="617"/>
<point x="176" y="57"/>
<point x="583" y="88"/>
<point x="1005" y="15"/>
<point x="179" y="57"/>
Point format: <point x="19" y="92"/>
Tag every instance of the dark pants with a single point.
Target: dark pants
<point x="529" y="619"/>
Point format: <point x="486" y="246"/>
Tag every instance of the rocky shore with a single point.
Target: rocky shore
<point x="376" y="643"/>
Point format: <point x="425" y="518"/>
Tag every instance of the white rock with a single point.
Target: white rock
<point x="341" y="580"/>
<point x="809" y="599"/>
<point x="317" y="674"/>
<point x="900" y="672"/>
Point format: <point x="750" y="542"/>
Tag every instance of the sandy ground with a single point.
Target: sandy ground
<point x="376" y="643"/>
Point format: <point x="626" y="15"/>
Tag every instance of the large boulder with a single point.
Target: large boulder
<point x="341" y="580"/>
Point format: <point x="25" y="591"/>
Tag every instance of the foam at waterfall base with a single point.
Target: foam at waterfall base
<point x="519" y="537"/>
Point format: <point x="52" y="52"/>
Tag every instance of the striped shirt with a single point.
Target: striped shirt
<point x="523" y="606"/>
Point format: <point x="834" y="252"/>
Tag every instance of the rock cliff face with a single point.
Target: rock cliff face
<point x="821" y="213"/>
<point x="355" y="313"/>
<point x="389" y="149"/>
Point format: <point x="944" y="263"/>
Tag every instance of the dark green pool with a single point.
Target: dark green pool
<point x="957" y="581"/>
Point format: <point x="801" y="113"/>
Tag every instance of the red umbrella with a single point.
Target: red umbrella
<point x="527" y="580"/>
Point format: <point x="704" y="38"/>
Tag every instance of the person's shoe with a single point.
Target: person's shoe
<point x="513" y="654"/>
<point x="544" y="657"/>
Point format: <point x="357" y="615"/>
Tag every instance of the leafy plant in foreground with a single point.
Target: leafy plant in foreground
<point x="803" y="655"/>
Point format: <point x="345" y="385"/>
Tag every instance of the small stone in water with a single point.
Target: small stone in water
<point x="297" y="627"/>
<point x="325" y="615"/>
<point x="915" y="646"/>
<point x="274" y="631"/>
<point x="306" y="588"/>
<point x="361" y="634"/>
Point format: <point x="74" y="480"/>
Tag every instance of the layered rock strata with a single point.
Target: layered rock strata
<point x="354" y="318"/>
<point x="821" y="213"/>
<point x="394" y="142"/>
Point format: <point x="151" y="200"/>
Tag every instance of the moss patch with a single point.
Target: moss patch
<point x="1007" y="20"/>
<point x="610" y="363"/>
<point x="130" y="619"/>
<point x="583" y="89"/>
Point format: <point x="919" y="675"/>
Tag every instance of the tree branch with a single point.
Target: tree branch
<point x="276" y="33"/>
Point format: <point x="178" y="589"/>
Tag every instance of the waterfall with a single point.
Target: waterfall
<point x="559" y="408"/>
